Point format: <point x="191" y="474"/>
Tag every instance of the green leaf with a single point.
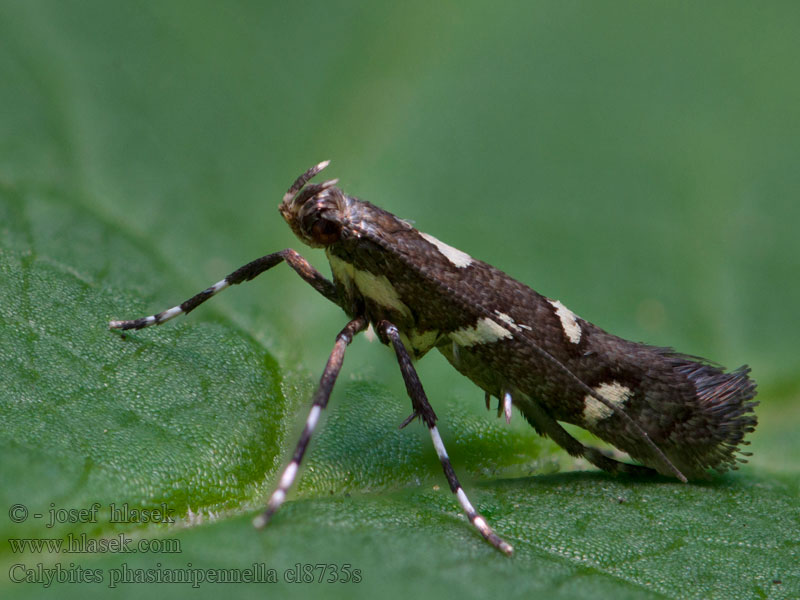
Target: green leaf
<point x="187" y="418"/>
<point x="143" y="149"/>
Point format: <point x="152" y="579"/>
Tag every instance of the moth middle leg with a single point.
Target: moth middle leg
<point x="323" y="393"/>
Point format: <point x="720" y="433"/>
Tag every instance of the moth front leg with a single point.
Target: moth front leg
<point x="424" y="410"/>
<point x="245" y="273"/>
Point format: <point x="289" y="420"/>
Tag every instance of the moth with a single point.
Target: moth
<point x="675" y="414"/>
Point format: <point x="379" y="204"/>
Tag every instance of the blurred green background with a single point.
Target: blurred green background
<point x="636" y="160"/>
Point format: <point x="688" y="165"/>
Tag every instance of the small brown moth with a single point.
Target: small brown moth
<point x="677" y="415"/>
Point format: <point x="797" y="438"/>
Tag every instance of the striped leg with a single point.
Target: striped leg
<point x="245" y="273"/>
<point x="424" y="410"/>
<point x="321" y="396"/>
<point x="547" y="425"/>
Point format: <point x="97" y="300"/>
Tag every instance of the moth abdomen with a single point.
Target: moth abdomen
<point x="695" y="412"/>
<point x="725" y="403"/>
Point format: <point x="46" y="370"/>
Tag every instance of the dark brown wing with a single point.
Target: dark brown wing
<point x="695" y="412"/>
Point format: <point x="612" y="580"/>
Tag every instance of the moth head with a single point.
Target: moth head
<point x="314" y="211"/>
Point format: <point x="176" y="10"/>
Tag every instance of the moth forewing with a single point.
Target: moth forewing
<point x="675" y="414"/>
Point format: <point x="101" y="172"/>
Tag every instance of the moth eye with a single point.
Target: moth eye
<point x="325" y="232"/>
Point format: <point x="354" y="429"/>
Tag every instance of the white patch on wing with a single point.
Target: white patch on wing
<point x="507" y="319"/>
<point x="455" y="256"/>
<point x="569" y="322"/>
<point x="380" y="290"/>
<point x="375" y="287"/>
<point x="483" y="332"/>
<point x="342" y="271"/>
<point x="614" y="392"/>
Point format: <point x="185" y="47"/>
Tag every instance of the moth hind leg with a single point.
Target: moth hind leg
<point x="544" y="424"/>
<point x="611" y="465"/>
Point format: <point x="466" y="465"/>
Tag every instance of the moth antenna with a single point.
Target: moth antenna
<point x="329" y="183"/>
<point x="304" y="179"/>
